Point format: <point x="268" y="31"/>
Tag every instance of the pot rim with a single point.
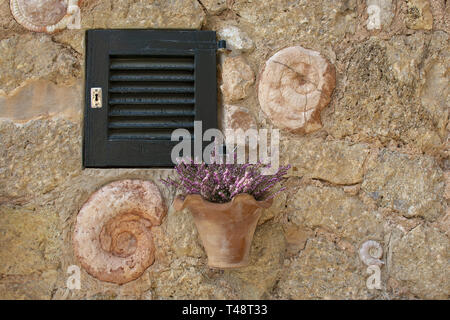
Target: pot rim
<point x="180" y="202"/>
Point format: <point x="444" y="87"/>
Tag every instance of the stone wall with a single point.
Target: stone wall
<point x="378" y="168"/>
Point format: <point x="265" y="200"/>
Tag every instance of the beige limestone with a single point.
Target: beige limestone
<point x="412" y="186"/>
<point x="237" y="78"/>
<point x="378" y="98"/>
<point x="42" y="99"/>
<point x="36" y="56"/>
<point x="236" y="39"/>
<point x="236" y="117"/>
<point x="338" y="162"/>
<point x="419" y="15"/>
<point x="214" y="6"/>
<point x="333" y="210"/>
<point x="30" y="245"/>
<point x="411" y="256"/>
<point x="308" y="275"/>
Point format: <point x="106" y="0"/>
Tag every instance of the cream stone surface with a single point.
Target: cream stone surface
<point x="412" y="186"/>
<point x="376" y="170"/>
<point x="378" y="98"/>
<point x="236" y="117"/>
<point x="42" y="99"/>
<point x="236" y="39"/>
<point x="214" y="6"/>
<point x="331" y="209"/>
<point x="237" y="78"/>
<point x="419" y="15"/>
<point x="36" y="56"/>
<point x="410" y="262"/>
<point x="338" y="162"/>
<point x="30" y="244"/>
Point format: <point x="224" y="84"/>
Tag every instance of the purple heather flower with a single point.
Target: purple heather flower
<point x="220" y="182"/>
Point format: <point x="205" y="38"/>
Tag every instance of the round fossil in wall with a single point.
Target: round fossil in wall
<point x="112" y="237"/>
<point x="294" y="86"/>
<point x="370" y="253"/>
<point x="43" y="15"/>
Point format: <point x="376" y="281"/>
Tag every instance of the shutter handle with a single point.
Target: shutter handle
<point x="96" y="97"/>
<point x="222" y="46"/>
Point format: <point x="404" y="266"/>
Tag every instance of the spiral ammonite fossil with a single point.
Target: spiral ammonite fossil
<point x="112" y="237"/>
<point x="370" y="253"/>
<point x="42" y="15"/>
<point x="294" y="86"/>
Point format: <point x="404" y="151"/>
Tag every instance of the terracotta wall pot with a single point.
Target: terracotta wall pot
<point x="226" y="229"/>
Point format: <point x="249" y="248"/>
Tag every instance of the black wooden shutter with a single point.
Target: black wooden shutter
<point x="152" y="82"/>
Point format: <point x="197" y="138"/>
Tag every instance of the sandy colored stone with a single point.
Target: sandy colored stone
<point x="447" y="185"/>
<point x="73" y="38"/>
<point x="257" y="279"/>
<point x="190" y="279"/>
<point x="444" y="223"/>
<point x="338" y="162"/>
<point x="294" y="86"/>
<point x="419" y="15"/>
<point x="275" y="24"/>
<point x="332" y="209"/>
<point x="236" y="117"/>
<point x="320" y="264"/>
<point x="421" y="259"/>
<point x="435" y="86"/>
<point x="184" y="14"/>
<point x="378" y="98"/>
<point x="8" y="26"/>
<point x="276" y="209"/>
<point x="411" y="185"/>
<point x="29" y="252"/>
<point x="112" y="237"/>
<point x="296" y="238"/>
<point x="42" y="99"/>
<point x="237" y="78"/>
<point x="214" y="6"/>
<point x="440" y="10"/>
<point x="37" y="157"/>
<point x="353" y="189"/>
<point x="184" y="238"/>
<point x="405" y="54"/>
<point x="236" y="39"/>
<point x="36" y="56"/>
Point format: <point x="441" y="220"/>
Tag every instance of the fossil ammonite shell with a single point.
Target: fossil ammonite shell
<point x="41" y="15"/>
<point x="371" y="252"/>
<point x="294" y="86"/>
<point x="112" y="237"/>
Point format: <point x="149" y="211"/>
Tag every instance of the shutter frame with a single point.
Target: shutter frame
<point x="99" y="151"/>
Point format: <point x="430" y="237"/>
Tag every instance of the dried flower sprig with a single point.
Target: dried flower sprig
<point x="217" y="182"/>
